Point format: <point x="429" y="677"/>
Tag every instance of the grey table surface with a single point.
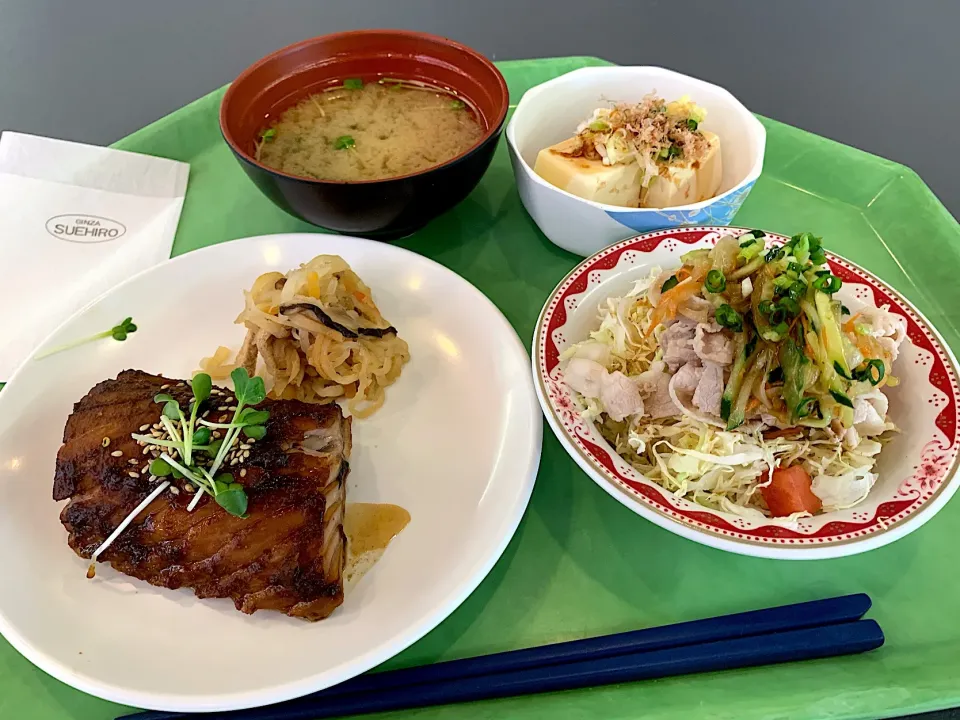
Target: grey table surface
<point x="880" y="75"/>
<point x="877" y="74"/>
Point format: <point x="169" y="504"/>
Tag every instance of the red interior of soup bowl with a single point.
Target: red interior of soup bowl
<point x="282" y="79"/>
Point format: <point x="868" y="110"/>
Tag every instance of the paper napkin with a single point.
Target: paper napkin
<point x="75" y="220"/>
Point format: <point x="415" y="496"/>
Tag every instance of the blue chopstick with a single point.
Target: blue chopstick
<point x="754" y="622"/>
<point x="806" y="644"/>
<point x="730" y="638"/>
<point x="794" y="645"/>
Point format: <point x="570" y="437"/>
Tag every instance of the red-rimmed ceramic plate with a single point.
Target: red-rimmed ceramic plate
<point x="917" y="468"/>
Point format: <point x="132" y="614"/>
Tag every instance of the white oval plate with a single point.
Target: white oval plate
<point x="457" y="443"/>
<point x="917" y="468"/>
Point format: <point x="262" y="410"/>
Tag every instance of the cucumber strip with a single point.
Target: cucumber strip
<point x="792" y="360"/>
<point x="732" y="389"/>
<point x="748" y="269"/>
<point x="841" y="398"/>
<point x="756" y="370"/>
<point x="830" y="332"/>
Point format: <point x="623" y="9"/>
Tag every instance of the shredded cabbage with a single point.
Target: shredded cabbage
<point x="746" y="456"/>
<point x="641" y="286"/>
<point x="838" y="492"/>
<point x="724" y="470"/>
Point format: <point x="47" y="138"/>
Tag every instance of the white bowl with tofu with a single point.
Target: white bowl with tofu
<point x="584" y="200"/>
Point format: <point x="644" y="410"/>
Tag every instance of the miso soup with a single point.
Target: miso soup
<point x="356" y="132"/>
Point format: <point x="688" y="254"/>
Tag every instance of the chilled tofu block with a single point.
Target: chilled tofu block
<point x="621" y="184"/>
<point x="686" y="185"/>
<point x="590" y="179"/>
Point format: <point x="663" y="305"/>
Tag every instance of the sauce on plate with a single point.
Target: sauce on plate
<point x="369" y="528"/>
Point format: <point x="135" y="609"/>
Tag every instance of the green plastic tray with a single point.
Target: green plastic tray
<point x="581" y="564"/>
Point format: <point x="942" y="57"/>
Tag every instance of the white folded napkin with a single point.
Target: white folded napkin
<point x="75" y="220"/>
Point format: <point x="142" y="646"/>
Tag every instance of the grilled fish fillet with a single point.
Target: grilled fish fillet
<point x="287" y="555"/>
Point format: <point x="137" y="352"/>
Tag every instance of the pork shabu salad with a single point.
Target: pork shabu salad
<point x="741" y="382"/>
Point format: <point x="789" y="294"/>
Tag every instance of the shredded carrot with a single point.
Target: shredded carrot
<point x="870" y="348"/>
<point x="848" y="326"/>
<point x="753" y="404"/>
<point x="360" y="296"/>
<point x="784" y="432"/>
<point x="670" y="302"/>
<point x="682" y="274"/>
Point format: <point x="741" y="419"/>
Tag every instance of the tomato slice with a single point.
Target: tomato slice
<point x="790" y="492"/>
